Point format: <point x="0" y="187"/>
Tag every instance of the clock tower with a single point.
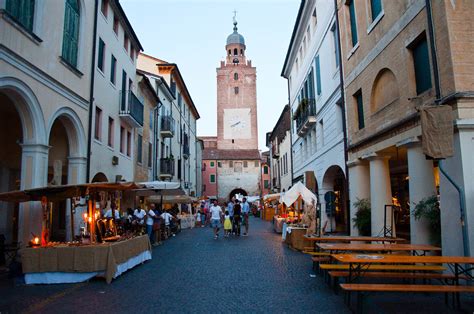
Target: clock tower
<point x="236" y="98"/>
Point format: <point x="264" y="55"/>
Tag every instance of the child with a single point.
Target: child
<point x="227" y="224"/>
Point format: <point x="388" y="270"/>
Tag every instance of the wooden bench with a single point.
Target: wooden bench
<point x="360" y="288"/>
<point x="317" y="253"/>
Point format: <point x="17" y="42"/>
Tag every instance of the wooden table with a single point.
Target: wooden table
<point x="315" y="240"/>
<point x="377" y="247"/>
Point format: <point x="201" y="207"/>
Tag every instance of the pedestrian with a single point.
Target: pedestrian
<point x="203" y="215"/>
<point x="237" y="218"/>
<point x="216" y="216"/>
<point x="139" y="221"/>
<point x="168" y="221"/>
<point x="230" y="209"/>
<point x="227" y="224"/>
<point x="245" y="215"/>
<point x="149" y="222"/>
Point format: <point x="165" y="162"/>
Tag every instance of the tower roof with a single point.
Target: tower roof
<point x="235" y="37"/>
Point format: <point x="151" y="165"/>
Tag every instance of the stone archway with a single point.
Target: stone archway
<point x="237" y="191"/>
<point x="334" y="191"/>
<point x="99" y="177"/>
<point x="24" y="161"/>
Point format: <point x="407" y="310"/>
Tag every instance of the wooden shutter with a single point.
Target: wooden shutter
<point x="422" y="66"/>
<point x="71" y="32"/>
<point x="353" y="23"/>
<point x="376" y="8"/>
<point x="318" y="76"/>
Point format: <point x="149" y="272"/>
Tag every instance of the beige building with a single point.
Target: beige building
<point x="391" y="70"/>
<point x="44" y="96"/>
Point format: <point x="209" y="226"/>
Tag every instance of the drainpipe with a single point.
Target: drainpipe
<point x="462" y="195"/>
<point x="344" y="126"/>
<point x="91" y="95"/>
<point x="291" y="131"/>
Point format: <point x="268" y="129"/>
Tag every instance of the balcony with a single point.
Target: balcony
<point x="167" y="126"/>
<point x="166" y="168"/>
<point x="305" y="116"/>
<point x="131" y="109"/>
<point x="186" y="146"/>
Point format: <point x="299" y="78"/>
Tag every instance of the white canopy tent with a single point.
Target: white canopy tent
<point x="272" y="197"/>
<point x="160" y="185"/>
<point x="296" y="191"/>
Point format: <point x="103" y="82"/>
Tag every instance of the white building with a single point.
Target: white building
<point x="45" y="74"/>
<point x="117" y="111"/>
<point x="178" y="115"/>
<point x="312" y="69"/>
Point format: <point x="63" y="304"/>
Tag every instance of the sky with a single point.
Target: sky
<point x="193" y="33"/>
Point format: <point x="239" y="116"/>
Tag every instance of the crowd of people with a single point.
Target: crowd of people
<point x="232" y="216"/>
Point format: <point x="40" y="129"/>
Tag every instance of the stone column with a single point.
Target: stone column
<point x="359" y="187"/>
<point x="421" y="185"/>
<point x="76" y="174"/>
<point x="34" y="173"/>
<point x="380" y="191"/>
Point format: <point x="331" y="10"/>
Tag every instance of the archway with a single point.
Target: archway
<point x="99" y="177"/>
<point x="335" y="199"/>
<point x="384" y="90"/>
<point x="237" y="191"/>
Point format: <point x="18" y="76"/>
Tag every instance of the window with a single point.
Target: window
<point x="231" y="164"/>
<point x="236" y="90"/>
<point x="353" y="20"/>
<point x="219" y="164"/>
<point x="421" y="62"/>
<point x="237" y="166"/>
<point x="71" y="32"/>
<point x="129" y="143"/>
<point x="122" y="139"/>
<point x="113" y="69"/>
<point x="150" y="154"/>
<point x="236" y="52"/>
<point x="104" y="7"/>
<point x="22" y="11"/>
<point x="212" y="164"/>
<point x="101" y="57"/>
<point x="98" y="123"/>
<point x="265" y="170"/>
<point x="125" y="42"/>
<point x="376" y="8"/>
<point x="139" y="149"/>
<point x="246" y="164"/>
<point x="265" y="184"/>
<point x="236" y="76"/>
<point x="230" y="52"/>
<point x="318" y="76"/>
<point x="212" y="178"/>
<point x="204" y="166"/>
<point x="151" y="119"/>
<point x="314" y="17"/>
<point x="360" y="109"/>
<point x="179" y="169"/>
<point x="321" y="131"/>
<point x="110" y="140"/>
<point x="132" y="53"/>
<point x="116" y="24"/>
<point x="336" y="44"/>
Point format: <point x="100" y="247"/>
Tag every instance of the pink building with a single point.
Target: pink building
<point x="265" y="174"/>
<point x="209" y="168"/>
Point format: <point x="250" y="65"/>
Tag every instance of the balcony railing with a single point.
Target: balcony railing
<point x="131" y="108"/>
<point x="305" y="116"/>
<point x="166" y="167"/>
<point x="167" y="126"/>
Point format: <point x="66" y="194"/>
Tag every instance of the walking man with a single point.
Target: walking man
<point x="216" y="217"/>
<point x="237" y="218"/>
<point x="245" y="215"/>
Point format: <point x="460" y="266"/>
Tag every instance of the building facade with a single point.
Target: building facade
<point x="400" y="57"/>
<point x="44" y="94"/>
<point x="265" y="175"/>
<point x="317" y="130"/>
<point x="236" y="147"/>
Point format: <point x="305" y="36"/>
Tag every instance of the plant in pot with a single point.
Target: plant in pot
<point x="362" y="219"/>
<point x="428" y="210"/>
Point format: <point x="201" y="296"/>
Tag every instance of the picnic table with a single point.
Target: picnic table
<point x="378" y="247"/>
<point x="316" y="239"/>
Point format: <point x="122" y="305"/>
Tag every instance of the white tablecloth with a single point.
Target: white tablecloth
<point x="187" y="221"/>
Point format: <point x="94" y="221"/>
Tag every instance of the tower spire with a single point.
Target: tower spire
<point x="235" y="20"/>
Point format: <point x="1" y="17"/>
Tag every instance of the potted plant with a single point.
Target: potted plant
<point x="428" y="210"/>
<point x="362" y="219"/>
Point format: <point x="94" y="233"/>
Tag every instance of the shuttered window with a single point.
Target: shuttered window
<point x="376" y="8"/>
<point x="71" y="32"/>
<point x="212" y="178"/>
<point x="139" y="149"/>
<point x="22" y="11"/>
<point x="318" y="76"/>
<point x="353" y="19"/>
<point x="421" y="62"/>
<point x="100" y="60"/>
<point x="360" y="109"/>
<point x="113" y="69"/>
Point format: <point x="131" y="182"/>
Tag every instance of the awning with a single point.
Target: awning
<point x="272" y="197"/>
<point x="171" y="199"/>
<point x="298" y="190"/>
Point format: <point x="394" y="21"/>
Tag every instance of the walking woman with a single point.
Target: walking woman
<point x="237" y="218"/>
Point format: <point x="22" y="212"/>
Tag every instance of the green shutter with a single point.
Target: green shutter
<point x="100" y="61"/>
<point x="23" y="11"/>
<point x="353" y="23"/>
<point x="421" y="62"/>
<point x="71" y="32"/>
<point x="360" y="110"/>
<point x="113" y="63"/>
<point x="318" y="76"/>
<point x="376" y="8"/>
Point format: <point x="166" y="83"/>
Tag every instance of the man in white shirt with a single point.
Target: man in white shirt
<point x="140" y="215"/>
<point x="168" y="219"/>
<point x="108" y="213"/>
<point x="216" y="217"/>
<point x="149" y="221"/>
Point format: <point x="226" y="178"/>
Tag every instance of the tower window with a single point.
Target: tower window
<point x="236" y="76"/>
<point x="241" y="52"/>
<point x="230" y="52"/>
<point x="235" y="51"/>
<point x="236" y="90"/>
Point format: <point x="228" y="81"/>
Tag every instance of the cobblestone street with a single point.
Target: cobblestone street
<point x="194" y="273"/>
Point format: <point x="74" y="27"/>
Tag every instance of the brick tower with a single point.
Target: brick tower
<point x="236" y="98"/>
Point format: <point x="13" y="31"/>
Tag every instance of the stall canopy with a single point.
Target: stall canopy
<point x="158" y="188"/>
<point x="171" y="199"/>
<point x="296" y="191"/>
<point x="272" y="197"/>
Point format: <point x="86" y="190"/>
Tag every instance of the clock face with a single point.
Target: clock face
<point x="237" y="123"/>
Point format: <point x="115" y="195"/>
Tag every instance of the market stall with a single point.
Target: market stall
<point x="300" y="215"/>
<point x="270" y="206"/>
<point x="101" y="248"/>
<point x="186" y="218"/>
